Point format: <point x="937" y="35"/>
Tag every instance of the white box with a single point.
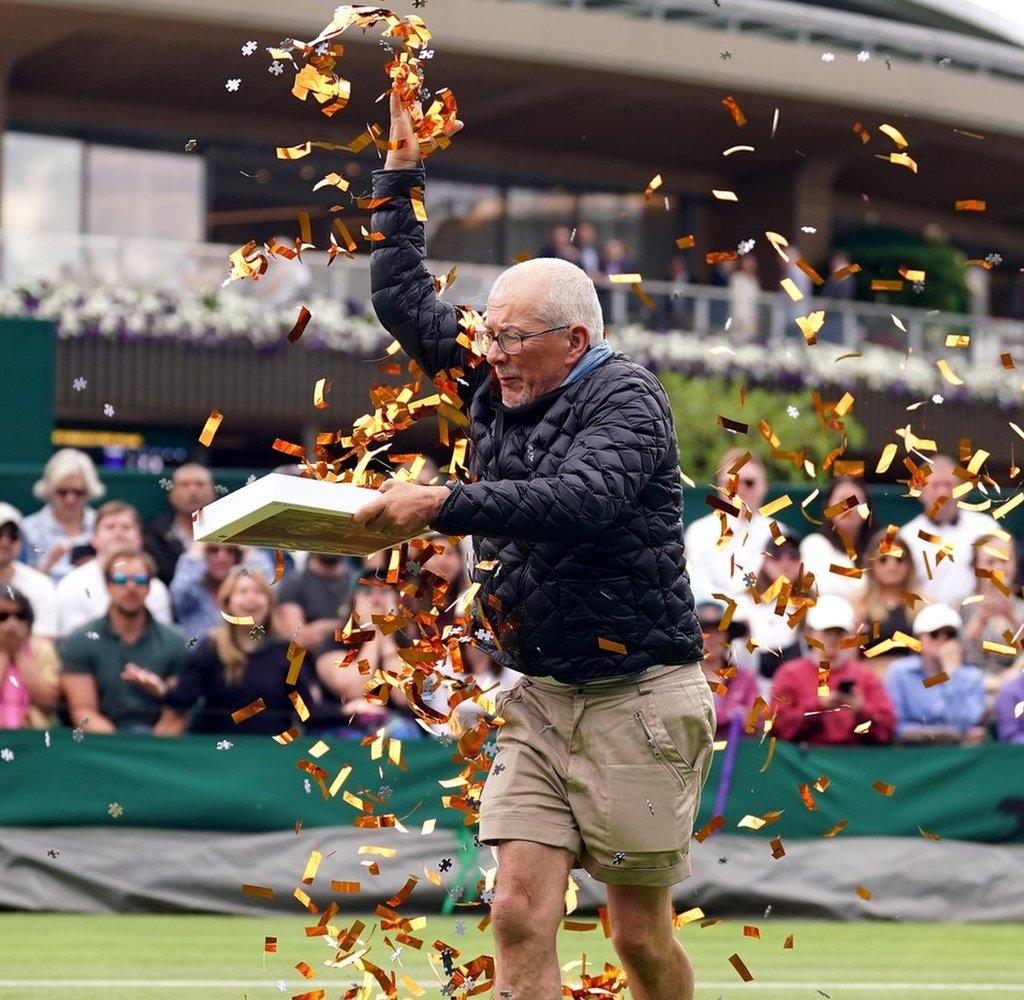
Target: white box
<point x="287" y="512"/>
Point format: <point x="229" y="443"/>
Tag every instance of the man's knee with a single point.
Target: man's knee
<point x="517" y="918"/>
<point x="638" y="944"/>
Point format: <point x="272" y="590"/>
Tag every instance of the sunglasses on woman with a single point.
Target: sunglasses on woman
<point x="67" y="491"/>
<point x="19" y="615"/>
<point x="943" y="634"/>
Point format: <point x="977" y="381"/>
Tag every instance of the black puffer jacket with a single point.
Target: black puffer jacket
<point x="578" y="497"/>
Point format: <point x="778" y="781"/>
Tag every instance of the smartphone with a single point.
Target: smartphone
<point x="846" y="686"/>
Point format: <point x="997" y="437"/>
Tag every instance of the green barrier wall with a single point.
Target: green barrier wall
<point x="966" y="793"/>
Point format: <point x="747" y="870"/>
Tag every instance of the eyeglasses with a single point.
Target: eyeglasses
<point x="899" y="559"/>
<point x="67" y="491"/>
<point x="10" y="531"/>
<point x="122" y="579"/>
<point x="19" y="615"/>
<point x="943" y="634"/>
<point x="508" y="341"/>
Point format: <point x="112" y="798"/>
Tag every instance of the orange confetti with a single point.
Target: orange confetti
<point x="261" y="892"/>
<point x="210" y="428"/>
<point x="685" y="242"/>
<point x="940" y="678"/>
<point x="712" y="826"/>
<point x="734" y="109"/>
<point x="300" y="325"/>
<point x="778" y="851"/>
<point x="788" y="943"/>
<point x="807" y="797"/>
<point x="883" y="789"/>
<point x="928" y="835"/>
<point x="253" y="708"/>
<point x="863" y="893"/>
<point x="738" y="964"/>
<point x="612" y="646"/>
<point x="972" y="205"/>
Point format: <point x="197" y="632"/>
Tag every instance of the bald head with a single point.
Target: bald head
<point x="191" y="487"/>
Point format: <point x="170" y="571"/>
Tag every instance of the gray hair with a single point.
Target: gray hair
<point x="571" y="296"/>
<point x="67" y="462"/>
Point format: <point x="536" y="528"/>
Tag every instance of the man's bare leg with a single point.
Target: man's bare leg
<point x="656" y="963"/>
<point x="528" y="905"/>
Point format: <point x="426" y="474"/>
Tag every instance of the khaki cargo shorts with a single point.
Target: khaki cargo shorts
<point x="611" y="771"/>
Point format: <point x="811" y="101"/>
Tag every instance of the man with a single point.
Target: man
<point x="168" y="534"/>
<point x="314" y="601"/>
<point x="952" y="579"/>
<point x="98" y="655"/>
<point x="82" y="594"/>
<point x="721" y="570"/>
<point x="951" y="710"/>
<point x="856" y="698"/>
<point x="201" y="569"/>
<point x="607" y="742"/>
<point x="36" y="586"/>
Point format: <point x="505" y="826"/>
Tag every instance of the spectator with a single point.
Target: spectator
<point x="169" y="533"/>
<point x="843" y="290"/>
<point x="586" y="245"/>
<point x="744" y="301"/>
<point x="615" y="259"/>
<point x="721" y="570"/>
<point x="99" y="656"/>
<point x="1000" y="609"/>
<point x="561" y="246"/>
<point x="676" y="309"/>
<point x="888" y="579"/>
<point x="840" y="535"/>
<point x="735" y="689"/>
<point x="231" y="668"/>
<point x="81" y="595"/>
<point x="1009" y="716"/>
<point x="36" y="586"/>
<point x="856" y="696"/>
<point x="950" y="711"/>
<point x="952" y="579"/>
<point x="776" y="640"/>
<point x="29" y="668"/>
<point x="315" y="601"/>
<point x="197" y="580"/>
<point x="69" y="480"/>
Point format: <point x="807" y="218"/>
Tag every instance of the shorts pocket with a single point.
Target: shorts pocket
<point x="649" y="810"/>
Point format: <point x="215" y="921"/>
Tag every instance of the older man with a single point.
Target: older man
<point x="608" y="739"/>
<point x="168" y="534"/>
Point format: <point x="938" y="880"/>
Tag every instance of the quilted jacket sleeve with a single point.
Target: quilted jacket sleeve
<point x="624" y="438"/>
<point x="401" y="287"/>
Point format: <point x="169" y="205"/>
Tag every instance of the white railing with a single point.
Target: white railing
<point x="200" y="268"/>
<point x="828" y="27"/>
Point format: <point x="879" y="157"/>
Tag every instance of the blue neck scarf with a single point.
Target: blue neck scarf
<point x="594" y="358"/>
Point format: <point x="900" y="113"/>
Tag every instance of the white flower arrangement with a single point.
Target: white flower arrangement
<point x="227" y="317"/>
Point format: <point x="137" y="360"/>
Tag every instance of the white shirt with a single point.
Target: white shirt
<point x="954" y="580"/>
<point x="82" y="596"/>
<point x="42" y="595"/>
<point x="818" y="555"/>
<point x="708" y="565"/>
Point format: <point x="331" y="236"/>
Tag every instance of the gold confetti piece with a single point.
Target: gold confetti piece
<point x="898" y="322"/>
<point x="769" y="755"/>
<point x="852" y="468"/>
<point x="734" y="109"/>
<point x="738" y="149"/>
<point x="821" y="785"/>
<point x="305" y="971"/>
<point x="810" y="272"/>
<point x="712" y="826"/>
<point x="895" y="134"/>
<point x="383" y="852"/>
<point x="903" y="160"/>
<point x="750" y="931"/>
<point x="971" y="205"/>
<point x="300" y="706"/>
<point x="807" y="797"/>
<point x="418" y="208"/>
<point x="625" y="279"/>
<point x="778" y="242"/>
<point x="880" y="285"/>
<point x="685" y="242"/>
<point x="309" y="874"/>
<point x="947" y="373"/>
<point x="320" y="391"/>
<point x="288" y="736"/>
<point x="261" y="892"/>
<point x="428" y="827"/>
<point x="348" y="887"/>
<point x="790" y="288"/>
<point x="959" y="340"/>
<point x="412" y="986"/>
<point x="885" y="459"/>
<point x="883" y="789"/>
<point x="741" y="969"/>
<point x="210" y="428"/>
<point x="844" y="405"/>
<point x="771" y="509"/>
<point x="1007" y="361"/>
<point x="811" y="324"/>
<point x="720" y="256"/>
<point x="725" y="195"/>
<point x="778" y="851"/>
<point x="311" y="995"/>
<point x="834" y="831"/>
<point x="940" y="678"/>
<point x="652" y="186"/>
<point x="863" y="893"/>
<point x="270" y="945"/>
<point x="788" y="943"/>
<point x="295" y="655"/>
<point x="862" y="132"/>
<point x="612" y="646"/>
<point x="318" y="749"/>
<point x="253" y="708"/>
<point x="908" y="275"/>
<point x="1003" y="509"/>
<point x="751" y="822"/>
<point x="689" y="916"/>
<point x="998" y="647"/>
<point x="300" y="325"/>
<point x="928" y="835"/>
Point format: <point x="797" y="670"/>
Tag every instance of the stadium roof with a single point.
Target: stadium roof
<point x="1001" y="20"/>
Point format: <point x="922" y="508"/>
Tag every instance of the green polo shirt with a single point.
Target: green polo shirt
<point x="95" y="649"/>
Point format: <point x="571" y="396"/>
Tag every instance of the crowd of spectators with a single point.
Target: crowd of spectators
<point x="857" y="632"/>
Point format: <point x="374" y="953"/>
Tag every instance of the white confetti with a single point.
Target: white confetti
<point x="79" y="384"/>
<point x="276" y="68"/>
<point x="7" y="754"/>
<point x="108" y="409"/>
<point x="863" y="55"/>
<point x="937" y="399"/>
<point x="249" y="48"/>
<point x="828" y="57"/>
<point x="233" y="85"/>
<point x="793" y="412"/>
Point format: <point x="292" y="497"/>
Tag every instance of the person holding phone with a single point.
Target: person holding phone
<point x="856" y="708"/>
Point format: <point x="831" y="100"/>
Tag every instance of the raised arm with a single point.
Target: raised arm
<point x="402" y="289"/>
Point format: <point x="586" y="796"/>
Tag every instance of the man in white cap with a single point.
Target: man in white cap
<point x="36" y="586"/>
<point x="938" y="698"/>
<point x="856" y="709"/>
